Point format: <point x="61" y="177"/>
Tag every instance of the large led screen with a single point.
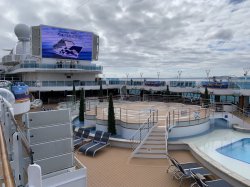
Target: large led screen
<point x="66" y="43"/>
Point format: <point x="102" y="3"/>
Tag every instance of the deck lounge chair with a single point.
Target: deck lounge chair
<point x="214" y="183"/>
<point x="103" y="143"/>
<point x="97" y="138"/>
<point x="82" y="135"/>
<point x="187" y="165"/>
<point x="217" y="183"/>
<point x="182" y="173"/>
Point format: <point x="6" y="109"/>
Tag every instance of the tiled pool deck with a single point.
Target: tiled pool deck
<point x="208" y="144"/>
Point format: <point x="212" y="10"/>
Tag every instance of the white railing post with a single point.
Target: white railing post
<point x="140" y="135"/>
<point x="126" y="115"/>
<point x="148" y="125"/>
<point x="7" y="132"/>
<point x="153" y="118"/>
<point x="34" y="176"/>
<point x="18" y="161"/>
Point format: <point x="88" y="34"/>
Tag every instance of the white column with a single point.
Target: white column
<point x="34" y="176"/>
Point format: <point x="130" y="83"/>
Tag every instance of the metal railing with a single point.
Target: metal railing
<point x="170" y="98"/>
<point x="92" y="103"/>
<point x="123" y="114"/>
<point x="167" y="129"/>
<point x="60" y="83"/>
<point x="7" y="170"/>
<point x="57" y="66"/>
<point x="228" y="107"/>
<point x="144" y="129"/>
<point x="14" y="144"/>
<point x="13" y="58"/>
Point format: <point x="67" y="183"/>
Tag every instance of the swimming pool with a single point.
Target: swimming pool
<point x="239" y="150"/>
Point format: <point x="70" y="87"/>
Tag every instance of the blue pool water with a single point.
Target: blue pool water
<point x="78" y="123"/>
<point x="239" y="150"/>
<point x="87" y="124"/>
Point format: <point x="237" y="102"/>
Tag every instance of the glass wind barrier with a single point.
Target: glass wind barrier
<point x="58" y="66"/>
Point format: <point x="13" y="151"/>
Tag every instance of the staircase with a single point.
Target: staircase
<point x="153" y="146"/>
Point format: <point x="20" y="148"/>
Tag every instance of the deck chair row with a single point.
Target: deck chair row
<point x="99" y="142"/>
<point x="193" y="170"/>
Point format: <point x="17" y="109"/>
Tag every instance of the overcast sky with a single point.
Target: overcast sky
<point x="147" y="36"/>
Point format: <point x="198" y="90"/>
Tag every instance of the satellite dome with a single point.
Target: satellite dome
<point x="22" y="32"/>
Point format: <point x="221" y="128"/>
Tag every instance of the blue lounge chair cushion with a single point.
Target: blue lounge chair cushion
<point x="218" y="183"/>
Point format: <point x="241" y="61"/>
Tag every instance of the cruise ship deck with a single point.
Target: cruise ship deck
<point x="114" y="167"/>
<point x="125" y="93"/>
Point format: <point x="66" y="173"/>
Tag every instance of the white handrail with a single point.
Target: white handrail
<point x="147" y="125"/>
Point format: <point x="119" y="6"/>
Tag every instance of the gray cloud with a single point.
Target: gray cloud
<point x="147" y="36"/>
<point x="223" y="34"/>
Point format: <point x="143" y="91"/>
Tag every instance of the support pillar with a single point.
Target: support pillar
<point x="246" y="101"/>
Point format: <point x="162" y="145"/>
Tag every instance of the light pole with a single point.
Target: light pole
<point x="207" y="72"/>
<point x="127" y="74"/>
<point x="141" y="74"/>
<point x="246" y="70"/>
<point x="179" y="75"/>
<point x="158" y="74"/>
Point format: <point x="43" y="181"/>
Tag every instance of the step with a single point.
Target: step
<point x="158" y="130"/>
<point x="157" y="133"/>
<point x="152" y="142"/>
<point x="150" y="155"/>
<point x="152" y="151"/>
<point x="157" y="138"/>
<point x="161" y="146"/>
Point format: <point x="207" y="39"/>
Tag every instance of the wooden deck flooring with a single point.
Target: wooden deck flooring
<point x="112" y="167"/>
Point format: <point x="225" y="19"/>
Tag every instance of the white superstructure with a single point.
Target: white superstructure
<point x="26" y="62"/>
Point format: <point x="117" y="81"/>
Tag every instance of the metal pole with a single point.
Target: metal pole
<point x="169" y="119"/>
<point x="157" y="116"/>
<point x="140" y="135"/>
<point x="207" y="72"/>
<point x="148" y="124"/>
<point x="139" y="118"/>
<point x="141" y="74"/>
<point x="178" y="117"/>
<point x="153" y="118"/>
<point x="173" y="117"/>
<point x="179" y="73"/>
<point x="158" y="74"/>
<point x="126" y="115"/>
